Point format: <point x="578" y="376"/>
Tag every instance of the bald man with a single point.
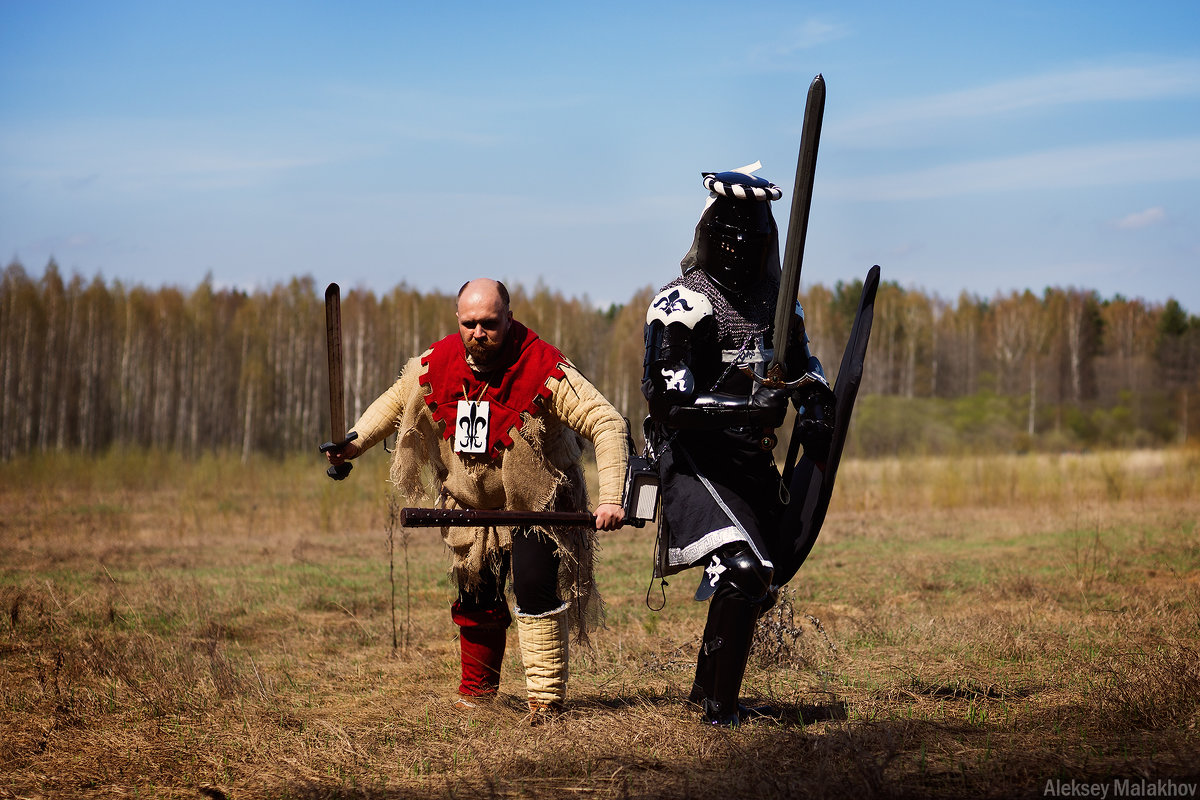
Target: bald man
<point x="500" y="416"/>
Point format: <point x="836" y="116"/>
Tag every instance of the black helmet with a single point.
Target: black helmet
<point x="736" y="233"/>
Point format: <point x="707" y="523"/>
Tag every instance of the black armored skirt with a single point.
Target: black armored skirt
<point x="718" y="487"/>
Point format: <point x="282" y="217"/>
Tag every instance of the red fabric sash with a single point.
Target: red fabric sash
<point x="512" y="389"/>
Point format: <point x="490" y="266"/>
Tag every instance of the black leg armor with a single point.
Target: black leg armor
<point x="743" y="592"/>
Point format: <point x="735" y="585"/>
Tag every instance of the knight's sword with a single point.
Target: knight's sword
<point x="793" y="251"/>
<point x="337" y="399"/>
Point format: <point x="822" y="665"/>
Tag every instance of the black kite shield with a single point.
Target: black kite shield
<point x="793" y="249"/>
<point x="812" y="485"/>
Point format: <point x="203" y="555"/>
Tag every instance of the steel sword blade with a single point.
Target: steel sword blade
<point x="793" y="251"/>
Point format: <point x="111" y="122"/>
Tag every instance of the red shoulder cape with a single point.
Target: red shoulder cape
<point x="511" y="390"/>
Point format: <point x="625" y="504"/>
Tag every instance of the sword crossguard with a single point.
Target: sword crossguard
<point x="774" y="378"/>
<point x="331" y="446"/>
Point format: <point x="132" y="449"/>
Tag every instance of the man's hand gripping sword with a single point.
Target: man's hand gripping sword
<point x="337" y="401"/>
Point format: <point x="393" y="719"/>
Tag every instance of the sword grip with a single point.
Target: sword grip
<point x="338" y="471"/>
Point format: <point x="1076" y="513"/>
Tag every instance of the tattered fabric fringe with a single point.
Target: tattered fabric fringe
<point x="531" y="483"/>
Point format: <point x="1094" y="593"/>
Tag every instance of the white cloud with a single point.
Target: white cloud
<point x="127" y="153"/>
<point x="811" y="34"/>
<point x="1141" y="219"/>
<point x="814" y="32"/>
<point x="1110" y="164"/>
<point x="915" y="117"/>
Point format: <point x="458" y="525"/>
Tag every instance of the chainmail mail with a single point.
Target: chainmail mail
<point x="740" y="315"/>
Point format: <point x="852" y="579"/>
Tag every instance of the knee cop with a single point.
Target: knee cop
<point x="733" y="569"/>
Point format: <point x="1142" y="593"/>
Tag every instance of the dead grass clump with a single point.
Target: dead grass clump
<point x="780" y="641"/>
<point x="674" y="659"/>
<point x="1016" y="586"/>
<point x="966" y="688"/>
<point x="1151" y="687"/>
<point x="97" y="654"/>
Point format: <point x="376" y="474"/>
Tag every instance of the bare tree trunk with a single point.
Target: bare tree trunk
<point x="1183" y="418"/>
<point x="934" y="355"/>
<point x="360" y="367"/>
<point x="910" y="367"/>
<point x="971" y="357"/>
<point x="247" y="425"/>
<point x="51" y="370"/>
<point x="415" y="322"/>
<point x="124" y="378"/>
<point x="8" y="374"/>
<point x="68" y="386"/>
<point x="24" y="400"/>
<point x="183" y="409"/>
<point x="85" y="388"/>
<point x="312" y="414"/>
<point x="1032" y="395"/>
<point x="201" y="378"/>
<point x="1074" y="358"/>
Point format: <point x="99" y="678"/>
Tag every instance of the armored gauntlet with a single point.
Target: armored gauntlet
<point x="815" y="408"/>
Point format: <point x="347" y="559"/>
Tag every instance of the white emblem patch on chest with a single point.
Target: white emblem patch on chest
<point x="471" y="427"/>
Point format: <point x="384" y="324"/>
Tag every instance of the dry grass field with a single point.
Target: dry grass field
<point x="972" y="627"/>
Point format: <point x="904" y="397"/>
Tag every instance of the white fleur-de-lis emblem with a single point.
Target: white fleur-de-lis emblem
<point x="670" y="303"/>
<point x="472" y="425"/>
<point x="471" y="428"/>
<point x="714" y="570"/>
<point x="676" y="379"/>
<point x="678" y="304"/>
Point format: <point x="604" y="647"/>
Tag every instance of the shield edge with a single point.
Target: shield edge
<point x="811" y="486"/>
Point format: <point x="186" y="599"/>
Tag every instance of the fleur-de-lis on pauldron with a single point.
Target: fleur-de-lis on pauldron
<point x="473" y="424"/>
<point x="672" y="303"/>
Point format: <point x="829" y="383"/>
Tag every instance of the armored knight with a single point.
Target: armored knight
<point x="713" y="413"/>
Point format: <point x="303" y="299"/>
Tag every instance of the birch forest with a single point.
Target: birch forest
<point x="88" y="364"/>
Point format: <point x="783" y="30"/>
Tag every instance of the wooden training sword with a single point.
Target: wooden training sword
<point x="470" y="517"/>
<point x="459" y="517"/>
<point x="337" y="399"/>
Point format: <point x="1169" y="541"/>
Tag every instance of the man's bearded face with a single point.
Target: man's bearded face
<point x="483" y="322"/>
<point x="484" y="352"/>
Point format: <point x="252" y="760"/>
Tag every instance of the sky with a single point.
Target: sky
<point x="979" y="147"/>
